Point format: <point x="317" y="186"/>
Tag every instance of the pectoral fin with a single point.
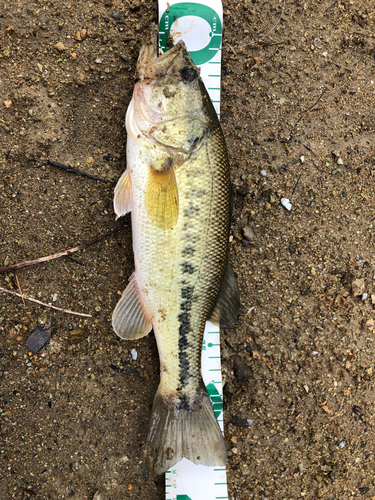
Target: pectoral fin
<point x="228" y="306"/>
<point x="129" y="319"/>
<point x="123" y="199"/>
<point x="162" y="198"/>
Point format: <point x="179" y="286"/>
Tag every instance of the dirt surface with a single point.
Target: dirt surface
<point x="300" y="366"/>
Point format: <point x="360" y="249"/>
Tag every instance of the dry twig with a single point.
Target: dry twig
<point x="75" y="171"/>
<point x="19" y="287"/>
<point x="67" y="311"/>
<point x="59" y="254"/>
<point x="302" y="113"/>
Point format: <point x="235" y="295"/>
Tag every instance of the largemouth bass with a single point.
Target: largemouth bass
<point x="177" y="188"/>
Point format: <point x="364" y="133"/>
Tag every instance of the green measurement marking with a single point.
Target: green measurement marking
<point x="214" y="76"/>
<point x="218" y="498"/>
<point x="213" y="357"/>
<point x="217" y="470"/>
<point x="214" y="370"/>
<point x="213" y="88"/>
<point x="219" y="484"/>
<point x="212" y="345"/>
<point x="214" y="62"/>
<point x="216" y="399"/>
<point x="168" y="486"/>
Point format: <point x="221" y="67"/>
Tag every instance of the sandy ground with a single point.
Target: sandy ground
<point x="299" y="105"/>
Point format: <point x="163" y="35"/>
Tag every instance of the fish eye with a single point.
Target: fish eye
<point x="188" y="74"/>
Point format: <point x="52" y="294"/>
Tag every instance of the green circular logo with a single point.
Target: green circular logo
<point x="193" y="10"/>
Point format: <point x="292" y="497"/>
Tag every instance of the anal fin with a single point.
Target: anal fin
<point x="129" y="319"/>
<point x="228" y="306"/>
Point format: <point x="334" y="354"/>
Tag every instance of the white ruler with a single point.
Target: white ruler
<point x="200" y="25"/>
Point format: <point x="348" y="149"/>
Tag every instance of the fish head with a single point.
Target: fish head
<point x="168" y="100"/>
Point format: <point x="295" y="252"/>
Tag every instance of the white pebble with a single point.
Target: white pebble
<point x="134" y="354"/>
<point x="364" y="296"/>
<point x="342" y="445"/>
<point x="286" y="204"/>
<point x="263" y="173"/>
<point x="249" y="422"/>
<point x="314" y="353"/>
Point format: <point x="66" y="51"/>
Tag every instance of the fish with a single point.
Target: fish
<point x="177" y="187"/>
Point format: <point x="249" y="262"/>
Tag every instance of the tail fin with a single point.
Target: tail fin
<point x="178" y="431"/>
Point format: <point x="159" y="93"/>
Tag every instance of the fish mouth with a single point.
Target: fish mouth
<point x="150" y="65"/>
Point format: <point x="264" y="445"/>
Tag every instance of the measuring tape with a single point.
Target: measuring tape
<point x="200" y="26"/>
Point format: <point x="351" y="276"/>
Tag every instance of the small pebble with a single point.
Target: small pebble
<point x="134" y="354"/>
<point x="342" y="445"/>
<point x="286" y="204"/>
<point x="38" y="338"/>
<point x="250" y="422"/>
<point x="248" y="232"/>
<point x="358" y="287"/>
<point x="263" y="173"/>
<point x="81" y="35"/>
<point x="60" y="47"/>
